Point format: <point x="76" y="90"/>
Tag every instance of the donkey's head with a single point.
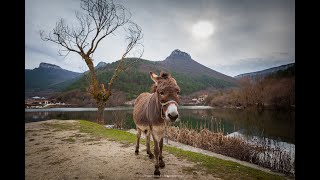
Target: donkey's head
<point x="167" y="91"/>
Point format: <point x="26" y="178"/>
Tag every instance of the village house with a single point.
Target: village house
<point x="39" y="102"/>
<point x="202" y="98"/>
<point x="198" y="100"/>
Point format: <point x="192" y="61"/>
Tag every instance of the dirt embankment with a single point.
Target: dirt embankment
<point x="58" y="153"/>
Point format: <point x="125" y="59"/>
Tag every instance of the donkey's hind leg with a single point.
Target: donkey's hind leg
<point x="138" y="141"/>
<point x="148" y="145"/>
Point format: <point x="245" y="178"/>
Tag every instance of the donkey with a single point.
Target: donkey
<point x="153" y="111"/>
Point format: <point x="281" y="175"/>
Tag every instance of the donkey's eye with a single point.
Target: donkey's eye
<point x="161" y="93"/>
<point x="178" y="92"/>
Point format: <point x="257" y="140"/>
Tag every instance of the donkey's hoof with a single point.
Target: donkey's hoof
<point x="162" y="164"/>
<point x="136" y="152"/>
<point x="156" y="172"/>
<point x="151" y="156"/>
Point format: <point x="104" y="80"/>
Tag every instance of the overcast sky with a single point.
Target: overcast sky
<point x="229" y="36"/>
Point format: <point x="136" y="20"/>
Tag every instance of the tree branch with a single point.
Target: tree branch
<point x="134" y="36"/>
<point x="99" y="19"/>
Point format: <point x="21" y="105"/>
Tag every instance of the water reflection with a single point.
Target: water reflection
<point x="278" y="125"/>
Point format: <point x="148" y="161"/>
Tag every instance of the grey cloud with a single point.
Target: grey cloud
<point x="244" y="29"/>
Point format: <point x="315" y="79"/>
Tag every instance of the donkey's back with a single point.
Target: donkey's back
<point x="139" y="109"/>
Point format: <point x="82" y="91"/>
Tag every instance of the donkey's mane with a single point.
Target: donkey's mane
<point x="153" y="88"/>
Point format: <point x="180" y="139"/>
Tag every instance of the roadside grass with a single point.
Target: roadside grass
<point x="221" y="168"/>
<point x="211" y="165"/>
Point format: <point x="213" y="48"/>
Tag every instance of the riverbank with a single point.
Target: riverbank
<point x="56" y="149"/>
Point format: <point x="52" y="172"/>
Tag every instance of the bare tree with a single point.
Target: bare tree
<point x="99" y="19"/>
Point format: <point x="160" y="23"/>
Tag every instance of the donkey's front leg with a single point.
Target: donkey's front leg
<point x="156" y="152"/>
<point x="161" y="162"/>
<point x="138" y="141"/>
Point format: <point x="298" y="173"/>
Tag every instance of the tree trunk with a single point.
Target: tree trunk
<point x="95" y="90"/>
<point x="94" y="81"/>
<point x="100" y="113"/>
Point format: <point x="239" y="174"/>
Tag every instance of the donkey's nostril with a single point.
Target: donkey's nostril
<point x="173" y="117"/>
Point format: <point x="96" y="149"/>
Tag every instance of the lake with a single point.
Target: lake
<point x="276" y="125"/>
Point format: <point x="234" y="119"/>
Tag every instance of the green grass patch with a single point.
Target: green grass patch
<point x="101" y="131"/>
<point x="218" y="167"/>
<point x="221" y="168"/>
<point x="61" y="126"/>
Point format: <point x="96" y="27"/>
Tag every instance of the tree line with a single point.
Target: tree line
<point x="276" y="90"/>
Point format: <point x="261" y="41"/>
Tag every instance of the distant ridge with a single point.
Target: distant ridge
<point x="266" y="72"/>
<point x="44" y="77"/>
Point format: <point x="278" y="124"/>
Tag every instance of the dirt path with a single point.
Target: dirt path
<point x="69" y="154"/>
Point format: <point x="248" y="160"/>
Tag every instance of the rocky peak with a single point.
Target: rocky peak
<point x="179" y="55"/>
<point x="101" y="64"/>
<point x="47" y="65"/>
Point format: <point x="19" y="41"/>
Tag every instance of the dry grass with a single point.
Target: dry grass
<point x="261" y="154"/>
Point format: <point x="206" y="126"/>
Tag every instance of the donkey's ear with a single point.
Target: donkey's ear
<point x="154" y="77"/>
<point x="164" y="75"/>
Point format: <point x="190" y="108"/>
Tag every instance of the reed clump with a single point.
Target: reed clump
<point x="263" y="153"/>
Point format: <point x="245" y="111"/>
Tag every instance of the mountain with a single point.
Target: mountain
<point x="283" y="70"/>
<point x="190" y="75"/>
<point x="49" y="66"/>
<point x="182" y="62"/>
<point x="46" y="78"/>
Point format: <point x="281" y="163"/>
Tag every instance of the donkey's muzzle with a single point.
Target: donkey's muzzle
<point x="173" y="117"/>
